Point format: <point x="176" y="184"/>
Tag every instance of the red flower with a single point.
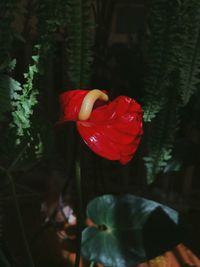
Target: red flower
<point x="113" y="130"/>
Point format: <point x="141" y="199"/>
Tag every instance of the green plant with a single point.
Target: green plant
<point x="81" y="31"/>
<point x="7" y="36"/>
<point x="17" y="104"/>
<point x="24" y="100"/>
<point x="173" y="75"/>
<point x="80" y="41"/>
<point x="18" y="101"/>
<point x="117" y="236"/>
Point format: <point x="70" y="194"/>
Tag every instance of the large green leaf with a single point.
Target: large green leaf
<point x="128" y="230"/>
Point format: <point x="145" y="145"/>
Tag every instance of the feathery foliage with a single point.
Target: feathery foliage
<point x="52" y="30"/>
<point x="173" y="74"/>
<point x="8" y="85"/>
<point x="11" y="93"/>
<point x="80" y="38"/>
<point x="52" y="23"/>
<point x="164" y="54"/>
<point x="24" y="100"/>
<point x="17" y="100"/>
<point x="160" y="140"/>
<point x="190" y="56"/>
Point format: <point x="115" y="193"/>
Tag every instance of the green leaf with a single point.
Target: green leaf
<point x="80" y="43"/>
<point x="12" y="64"/>
<point x="173" y="76"/>
<point x="8" y="91"/>
<point x="7" y="64"/>
<point x="128" y="230"/>
<point x="173" y="166"/>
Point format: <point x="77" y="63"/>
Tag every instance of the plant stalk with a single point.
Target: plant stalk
<point x="79" y="214"/>
<point x="19" y="217"/>
<point x="92" y="264"/>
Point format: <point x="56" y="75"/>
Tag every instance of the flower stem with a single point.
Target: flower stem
<point x="8" y="174"/>
<point x="79" y="214"/>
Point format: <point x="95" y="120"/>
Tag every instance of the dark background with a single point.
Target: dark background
<point x="120" y="66"/>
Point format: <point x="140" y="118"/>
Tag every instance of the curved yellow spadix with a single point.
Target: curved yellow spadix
<point x="88" y="103"/>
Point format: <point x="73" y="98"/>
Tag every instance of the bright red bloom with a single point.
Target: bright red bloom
<point x="113" y="129"/>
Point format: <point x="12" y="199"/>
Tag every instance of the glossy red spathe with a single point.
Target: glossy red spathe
<point x="113" y="130"/>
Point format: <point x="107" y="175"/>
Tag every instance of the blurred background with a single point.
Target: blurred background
<point x="148" y="50"/>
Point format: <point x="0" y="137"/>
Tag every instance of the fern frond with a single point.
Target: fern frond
<point x="8" y="85"/>
<point x="166" y="40"/>
<point x="173" y="76"/>
<point x="9" y="88"/>
<point x="81" y="37"/>
<point x="160" y="140"/>
<point x="159" y="24"/>
<point x="24" y="101"/>
<point x="8" y="10"/>
<point x="53" y="20"/>
<point x="190" y="60"/>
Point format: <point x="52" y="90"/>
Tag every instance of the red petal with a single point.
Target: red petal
<point x="70" y="103"/>
<point x="95" y="138"/>
<point x="113" y="131"/>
